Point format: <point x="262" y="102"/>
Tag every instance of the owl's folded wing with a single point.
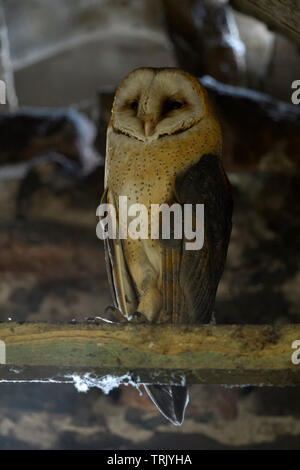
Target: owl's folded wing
<point x="200" y="270"/>
<point x="122" y="289"/>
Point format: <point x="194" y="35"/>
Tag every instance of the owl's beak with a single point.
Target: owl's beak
<point x="149" y="127"/>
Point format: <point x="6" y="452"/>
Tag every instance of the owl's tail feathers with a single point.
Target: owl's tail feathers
<point x="170" y="400"/>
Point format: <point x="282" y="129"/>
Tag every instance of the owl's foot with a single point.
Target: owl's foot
<point x="112" y="315"/>
<point x="138" y="317"/>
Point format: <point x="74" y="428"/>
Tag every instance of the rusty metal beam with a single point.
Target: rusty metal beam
<point x="222" y="354"/>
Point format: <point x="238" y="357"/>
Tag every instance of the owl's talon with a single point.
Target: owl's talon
<point x="138" y="317"/>
<point x="112" y="315"/>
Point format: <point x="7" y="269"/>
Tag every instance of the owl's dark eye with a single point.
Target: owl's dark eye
<point x="175" y="105"/>
<point x="134" y="105"/>
<point x="170" y="105"/>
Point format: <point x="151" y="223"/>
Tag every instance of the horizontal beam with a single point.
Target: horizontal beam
<point x="222" y="354"/>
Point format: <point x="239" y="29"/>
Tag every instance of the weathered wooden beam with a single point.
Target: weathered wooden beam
<point x="281" y="15"/>
<point x="223" y="354"/>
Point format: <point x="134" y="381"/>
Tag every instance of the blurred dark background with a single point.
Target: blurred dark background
<point x="61" y="61"/>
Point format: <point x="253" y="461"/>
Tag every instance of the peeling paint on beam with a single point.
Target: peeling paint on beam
<point x="222" y="354"/>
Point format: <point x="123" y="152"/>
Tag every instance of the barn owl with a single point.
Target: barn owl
<point x="164" y="145"/>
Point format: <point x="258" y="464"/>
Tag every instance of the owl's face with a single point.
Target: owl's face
<point x="154" y="103"/>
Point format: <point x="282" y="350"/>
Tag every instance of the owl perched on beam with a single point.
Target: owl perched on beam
<point x="164" y="146"/>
